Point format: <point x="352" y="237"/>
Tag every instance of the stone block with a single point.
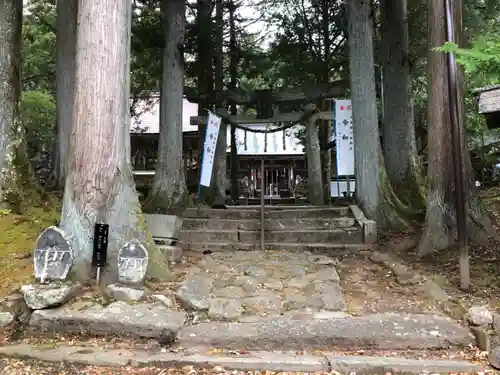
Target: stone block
<point x="171" y="253"/>
<point x="370" y="232"/>
<point x="164" y="228"/>
<point x="119" y="318"/>
<point x="377" y="331"/>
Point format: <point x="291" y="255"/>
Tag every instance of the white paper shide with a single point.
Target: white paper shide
<point x="211" y="135"/>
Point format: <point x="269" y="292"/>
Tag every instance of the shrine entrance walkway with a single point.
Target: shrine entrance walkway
<point x="249" y="286"/>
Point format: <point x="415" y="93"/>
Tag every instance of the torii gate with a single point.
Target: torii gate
<point x="267" y="104"/>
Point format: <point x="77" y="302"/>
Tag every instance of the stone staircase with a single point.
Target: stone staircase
<point x="286" y="227"/>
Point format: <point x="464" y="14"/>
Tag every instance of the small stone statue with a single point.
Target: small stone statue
<point x="53" y="257"/>
<point x="132" y="263"/>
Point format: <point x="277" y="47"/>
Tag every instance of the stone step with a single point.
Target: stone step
<point x="269" y="224"/>
<point x="250" y="361"/>
<point x="116" y="319"/>
<point x="377" y="331"/>
<point x="333" y="248"/>
<point x="270" y="213"/>
<point x="344" y="235"/>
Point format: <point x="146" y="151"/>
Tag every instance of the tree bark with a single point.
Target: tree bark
<point x="204" y="71"/>
<point x="398" y="131"/>
<point x="440" y="221"/>
<point x="373" y="190"/>
<point x="99" y="186"/>
<point x="169" y="192"/>
<point x="204" y="60"/>
<point x="233" y="72"/>
<point x="10" y="90"/>
<point x="314" y="170"/>
<point x="326" y="128"/>
<point x="65" y="74"/>
<point x="220" y="180"/>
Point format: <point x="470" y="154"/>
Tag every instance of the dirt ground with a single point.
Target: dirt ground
<point x="444" y="266"/>
<point x="371" y="288"/>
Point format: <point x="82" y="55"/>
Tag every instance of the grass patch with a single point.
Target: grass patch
<point x="18" y="235"/>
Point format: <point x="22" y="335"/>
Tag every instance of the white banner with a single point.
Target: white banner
<point x="344" y="137"/>
<point x="211" y="135"/>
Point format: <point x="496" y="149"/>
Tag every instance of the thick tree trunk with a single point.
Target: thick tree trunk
<point x="169" y="192"/>
<point x="399" y="146"/>
<point x="204" y="70"/>
<point x="99" y="186"/>
<point x="220" y="180"/>
<point x="65" y="74"/>
<point x="440" y="221"/>
<point x="373" y="190"/>
<point x="314" y="170"/>
<point x="10" y="90"/>
<point x="326" y="127"/>
<point x="204" y="60"/>
<point x="233" y="72"/>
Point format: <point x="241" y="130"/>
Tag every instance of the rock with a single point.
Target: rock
<point x="479" y="316"/>
<point x="434" y="291"/>
<point x="298" y="282"/>
<point x="164" y="300"/>
<point x="494" y="357"/>
<point x="322" y="260"/>
<point x="139" y="320"/>
<point x="325" y="274"/>
<point x="6" y="319"/>
<point x="41" y="296"/>
<point x="404" y="275"/>
<point x="194" y="292"/>
<point x="294" y="299"/>
<point x="16" y="305"/>
<point x="256" y="272"/>
<point x="248" y="283"/>
<point x="225" y="309"/>
<point x="482" y="338"/>
<point x="262" y="304"/>
<point x="333" y="298"/>
<point x="229" y="291"/>
<point x="273" y="284"/>
<point x="125" y="293"/>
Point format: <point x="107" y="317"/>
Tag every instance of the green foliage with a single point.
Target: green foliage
<point x="483" y="59"/>
<point x="38" y="116"/>
<point x="39" y="46"/>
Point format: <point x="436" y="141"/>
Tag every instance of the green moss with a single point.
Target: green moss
<point x="17" y="242"/>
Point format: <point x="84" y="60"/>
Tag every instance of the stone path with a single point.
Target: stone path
<point x="246" y="286"/>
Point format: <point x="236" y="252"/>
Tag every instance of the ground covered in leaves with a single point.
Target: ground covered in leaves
<point x="443" y="266"/>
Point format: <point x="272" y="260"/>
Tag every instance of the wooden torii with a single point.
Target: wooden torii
<point x="268" y="103"/>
